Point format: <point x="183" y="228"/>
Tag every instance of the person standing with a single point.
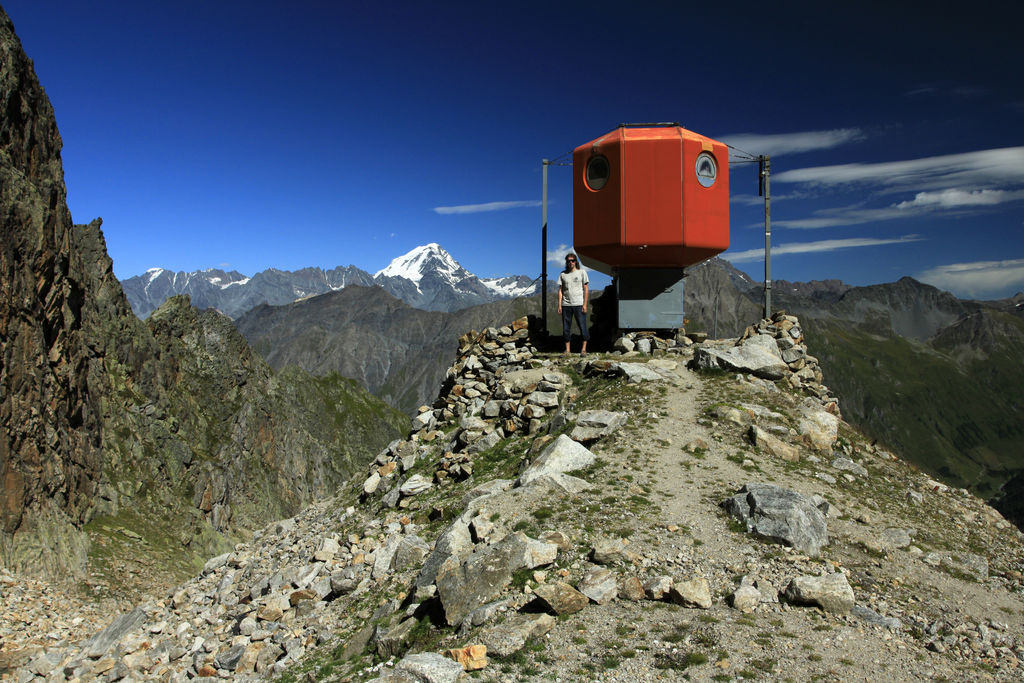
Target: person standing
<point x="573" y="295"/>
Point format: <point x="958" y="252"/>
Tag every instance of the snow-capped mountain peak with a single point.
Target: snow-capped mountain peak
<point x="426" y="277"/>
<point x="422" y="260"/>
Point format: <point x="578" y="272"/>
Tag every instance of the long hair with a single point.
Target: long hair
<point x="575" y="259"/>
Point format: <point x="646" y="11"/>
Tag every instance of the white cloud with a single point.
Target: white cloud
<point x="819" y="246"/>
<point x="557" y="255"/>
<point x="978" y="279"/>
<point x="969" y="170"/>
<point x="952" y="198"/>
<point x="792" y="143"/>
<point x="488" y="206"/>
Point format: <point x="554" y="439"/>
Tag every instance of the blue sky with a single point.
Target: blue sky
<point x="250" y="135"/>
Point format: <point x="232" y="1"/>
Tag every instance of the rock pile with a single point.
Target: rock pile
<point x="495" y="389"/>
<point x="772" y="349"/>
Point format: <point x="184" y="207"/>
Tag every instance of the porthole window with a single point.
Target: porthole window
<point x="597" y="172"/>
<point x="706" y="169"/>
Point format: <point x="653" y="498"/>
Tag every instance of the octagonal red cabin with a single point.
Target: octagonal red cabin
<point x="650" y="197"/>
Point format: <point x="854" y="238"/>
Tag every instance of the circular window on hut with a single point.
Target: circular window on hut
<point x="597" y="172"/>
<point x="707" y="169"/>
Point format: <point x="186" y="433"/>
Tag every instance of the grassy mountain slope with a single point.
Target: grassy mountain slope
<point x="397" y="352"/>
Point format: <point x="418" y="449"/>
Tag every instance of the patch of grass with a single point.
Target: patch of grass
<point x="695" y="659"/>
<point x="543" y="514"/>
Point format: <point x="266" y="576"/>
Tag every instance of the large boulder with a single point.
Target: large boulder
<point x="482" y="576"/>
<point x="818" y="427"/>
<point x="562" y="455"/>
<point x="758" y="355"/>
<point x="831" y="592"/>
<point x="781" y="515"/>
<point x="594" y="424"/>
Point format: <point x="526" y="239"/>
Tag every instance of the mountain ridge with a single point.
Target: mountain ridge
<point x="426" y="277"/>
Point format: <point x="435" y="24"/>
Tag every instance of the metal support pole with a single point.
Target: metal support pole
<point x="544" y="244"/>
<point x="766" y="166"/>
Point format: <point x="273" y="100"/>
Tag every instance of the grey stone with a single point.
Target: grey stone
<point x="967" y="564"/>
<point x="609" y="550"/>
<point x="383" y="556"/>
<point x="544" y="399"/>
<point x="847" y="465"/>
<point x="429" y="667"/>
<point x="594" y="424"/>
<point x="560" y="456"/>
<point x="465" y="585"/>
<point x="637" y="372"/>
<point x="565" y="482"/>
<point x="215" y="563"/>
<point x="453" y="541"/>
<point x="657" y="587"/>
<point x="484" y="614"/>
<point x="895" y="538"/>
<point x="486" y="442"/>
<point x="101" y="643"/>
<point x="875" y="619"/>
<point x="410" y="553"/>
<point x="745" y="598"/>
<point x="345" y="580"/>
<point x="414" y="485"/>
<point x="228" y="659"/>
<point x="624" y="344"/>
<point x="392" y="497"/>
<point x="505" y="639"/>
<point x="600" y="585"/>
<point x="793" y="353"/>
<point x="759" y="355"/>
<point x="831" y="592"/>
<point x="425" y="420"/>
<point x="395" y="640"/>
<point x="780" y="515"/>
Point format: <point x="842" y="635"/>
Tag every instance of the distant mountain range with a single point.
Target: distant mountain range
<point x="427" y="278"/>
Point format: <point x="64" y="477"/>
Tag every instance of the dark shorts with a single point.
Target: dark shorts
<point x="570" y="312"/>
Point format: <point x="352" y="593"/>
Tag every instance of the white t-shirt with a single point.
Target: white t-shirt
<point x="572" y="286"/>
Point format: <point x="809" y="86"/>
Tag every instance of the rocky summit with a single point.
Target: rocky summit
<point x="613" y="518"/>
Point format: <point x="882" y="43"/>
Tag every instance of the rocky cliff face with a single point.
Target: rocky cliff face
<point x="49" y="414"/>
<point x="173" y="426"/>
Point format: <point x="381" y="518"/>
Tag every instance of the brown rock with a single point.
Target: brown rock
<point x="561" y="598"/>
<point x="471" y="657"/>
<point x="298" y="596"/>
<point x="387" y="468"/>
<point x="631" y="588"/>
